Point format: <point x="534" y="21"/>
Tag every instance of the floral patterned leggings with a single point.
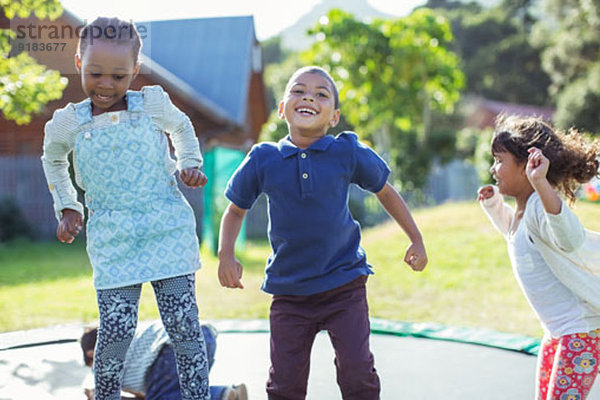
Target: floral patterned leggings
<point x="179" y="313"/>
<point x="568" y="366"/>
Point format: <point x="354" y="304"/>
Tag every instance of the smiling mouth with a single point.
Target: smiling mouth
<point x="306" y="111"/>
<point x="102" y="97"/>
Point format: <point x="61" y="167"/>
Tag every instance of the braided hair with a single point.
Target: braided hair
<point x="112" y="30"/>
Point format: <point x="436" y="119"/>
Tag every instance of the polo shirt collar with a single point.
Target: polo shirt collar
<point x="288" y="149"/>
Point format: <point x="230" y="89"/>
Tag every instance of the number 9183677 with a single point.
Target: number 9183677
<point x="43" y="46"/>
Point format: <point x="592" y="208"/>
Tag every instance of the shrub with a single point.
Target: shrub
<point x="12" y="221"/>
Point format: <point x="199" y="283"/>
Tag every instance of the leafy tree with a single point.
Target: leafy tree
<point x="572" y="59"/>
<point x="272" y="51"/>
<point x="276" y="74"/>
<point x="521" y="11"/>
<point x="499" y="59"/>
<point x="25" y="85"/>
<point x="392" y="75"/>
<point x="449" y="4"/>
<point x="482" y="158"/>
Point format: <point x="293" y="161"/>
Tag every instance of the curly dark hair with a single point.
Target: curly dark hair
<point x="573" y="158"/>
<point x="88" y="342"/>
<point x="112" y="30"/>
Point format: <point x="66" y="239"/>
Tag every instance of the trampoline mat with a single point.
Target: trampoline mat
<point x="409" y="367"/>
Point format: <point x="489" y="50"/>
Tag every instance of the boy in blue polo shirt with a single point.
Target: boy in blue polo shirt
<point x="317" y="271"/>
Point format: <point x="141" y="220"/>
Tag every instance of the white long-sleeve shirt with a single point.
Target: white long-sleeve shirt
<point x="545" y="252"/>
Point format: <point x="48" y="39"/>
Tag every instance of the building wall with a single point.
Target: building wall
<point x="258" y="113"/>
<point x="22" y="179"/>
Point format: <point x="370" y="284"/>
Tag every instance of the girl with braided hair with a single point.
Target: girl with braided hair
<point x="140" y="227"/>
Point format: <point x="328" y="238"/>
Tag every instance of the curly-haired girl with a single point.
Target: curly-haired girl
<point x="553" y="256"/>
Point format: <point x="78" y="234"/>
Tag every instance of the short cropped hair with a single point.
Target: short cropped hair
<point x="313" y="69"/>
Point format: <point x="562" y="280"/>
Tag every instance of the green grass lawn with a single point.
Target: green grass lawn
<point x="468" y="281"/>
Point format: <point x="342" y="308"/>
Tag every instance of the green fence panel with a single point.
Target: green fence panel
<point x="219" y="165"/>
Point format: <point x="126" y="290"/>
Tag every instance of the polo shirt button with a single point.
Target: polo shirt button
<point x="305" y="176"/>
<point x="303" y="155"/>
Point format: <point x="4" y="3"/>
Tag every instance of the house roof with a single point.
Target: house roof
<point x="172" y="83"/>
<point x="499" y="107"/>
<point x="482" y="113"/>
<point x="195" y="70"/>
<point x="214" y="57"/>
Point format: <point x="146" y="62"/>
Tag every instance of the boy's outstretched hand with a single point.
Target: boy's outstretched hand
<point x="192" y="177"/>
<point x="230" y="273"/>
<point x="416" y="257"/>
<point x="69" y="226"/>
<point x="485" y="192"/>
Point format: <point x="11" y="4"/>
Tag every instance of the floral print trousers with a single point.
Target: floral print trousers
<point x="568" y="366"/>
<point x="118" y="310"/>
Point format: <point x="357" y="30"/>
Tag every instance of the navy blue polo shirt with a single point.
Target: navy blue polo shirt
<point x="315" y="240"/>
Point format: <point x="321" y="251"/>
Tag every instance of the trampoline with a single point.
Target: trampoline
<point x="414" y="361"/>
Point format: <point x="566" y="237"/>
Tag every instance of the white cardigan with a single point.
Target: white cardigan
<point x="571" y="251"/>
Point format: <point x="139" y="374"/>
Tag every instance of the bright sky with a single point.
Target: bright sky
<point x="270" y="17"/>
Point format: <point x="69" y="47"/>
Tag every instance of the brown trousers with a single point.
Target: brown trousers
<point x="295" y="320"/>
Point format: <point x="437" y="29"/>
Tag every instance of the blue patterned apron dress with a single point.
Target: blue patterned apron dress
<point x="140" y="227"/>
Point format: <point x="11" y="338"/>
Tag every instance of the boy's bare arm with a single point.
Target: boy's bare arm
<point x="390" y="199"/>
<point x="230" y="269"/>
